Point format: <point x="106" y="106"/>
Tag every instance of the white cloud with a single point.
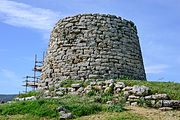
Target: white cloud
<point x="23" y="15"/>
<point x="9" y="75"/>
<point x="155" y="69"/>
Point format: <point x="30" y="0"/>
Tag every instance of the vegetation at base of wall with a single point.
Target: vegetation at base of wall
<point x="29" y="94"/>
<point x="170" y="88"/>
<point x="116" y="108"/>
<point x="77" y="105"/>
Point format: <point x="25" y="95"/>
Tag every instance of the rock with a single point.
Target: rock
<point x="165" y="108"/>
<point x="122" y="85"/>
<point x="148" y="97"/>
<point x="62" y="89"/>
<point x="66" y="116"/>
<point x="46" y="93"/>
<point x="118" y="90"/>
<point x="30" y="98"/>
<point x="59" y="93"/>
<point x="70" y="89"/>
<point x="62" y="112"/>
<point x="133" y="98"/>
<point x="57" y="85"/>
<point x="171" y="103"/>
<point x="153" y="102"/>
<point x="87" y="89"/>
<point x="76" y="85"/>
<point x="140" y="90"/>
<point x="19" y="99"/>
<point x="80" y="90"/>
<point x="69" y="25"/>
<point x="73" y="93"/>
<point x="110" y="82"/>
<point x="62" y="109"/>
<point x="126" y="93"/>
<point x="93" y="83"/>
<point x="110" y="102"/>
<point x="100" y="83"/>
<point x="158" y="104"/>
<point x="106" y="89"/>
<point x="127" y="88"/>
<point x="134" y="104"/>
<point x="157" y="97"/>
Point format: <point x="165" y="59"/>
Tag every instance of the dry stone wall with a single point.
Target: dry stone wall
<point x="92" y="46"/>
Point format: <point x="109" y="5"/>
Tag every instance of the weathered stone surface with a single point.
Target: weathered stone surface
<point x="30" y="98"/>
<point x="157" y="97"/>
<point x="60" y="93"/>
<point x="76" y="85"/>
<point x="134" y="104"/>
<point x="89" y="46"/>
<point x="66" y="116"/>
<point x="110" y="102"/>
<point x="166" y="108"/>
<point x="171" y="103"/>
<point x="140" y="90"/>
<point x="128" y="88"/>
<point x="80" y="90"/>
<point x="120" y="85"/>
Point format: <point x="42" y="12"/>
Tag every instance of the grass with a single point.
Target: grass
<point x="77" y="105"/>
<point x="170" y="88"/>
<point x="126" y="115"/>
<point x="41" y="107"/>
<point x="29" y="94"/>
<point x="24" y="117"/>
<point x="83" y="106"/>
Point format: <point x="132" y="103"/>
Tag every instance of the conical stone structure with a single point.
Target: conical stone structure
<point x="92" y="46"/>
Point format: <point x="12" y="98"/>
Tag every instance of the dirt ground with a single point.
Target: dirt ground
<point x="135" y="113"/>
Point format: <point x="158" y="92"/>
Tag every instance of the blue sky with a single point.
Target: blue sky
<point x="25" y="27"/>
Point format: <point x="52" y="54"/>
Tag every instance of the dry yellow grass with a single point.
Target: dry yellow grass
<point x="135" y="113"/>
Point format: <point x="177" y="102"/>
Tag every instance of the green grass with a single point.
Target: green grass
<point x="170" y="88"/>
<point x="41" y="107"/>
<point x="24" y="117"/>
<point x="77" y="105"/>
<point x="29" y="94"/>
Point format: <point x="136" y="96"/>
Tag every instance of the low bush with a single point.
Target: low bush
<point x="116" y="108"/>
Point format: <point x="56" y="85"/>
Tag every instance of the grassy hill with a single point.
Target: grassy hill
<point x="91" y="107"/>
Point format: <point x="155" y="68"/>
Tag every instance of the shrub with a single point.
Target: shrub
<point x="91" y="93"/>
<point x="51" y="89"/>
<point x="111" y="90"/>
<point x="116" y="108"/>
<point x="29" y="94"/>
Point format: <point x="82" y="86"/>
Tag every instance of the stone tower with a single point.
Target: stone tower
<point x="92" y="46"/>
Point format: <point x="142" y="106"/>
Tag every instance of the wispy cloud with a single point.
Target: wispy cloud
<point x="155" y="69"/>
<point x="23" y="15"/>
<point x="10" y="75"/>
